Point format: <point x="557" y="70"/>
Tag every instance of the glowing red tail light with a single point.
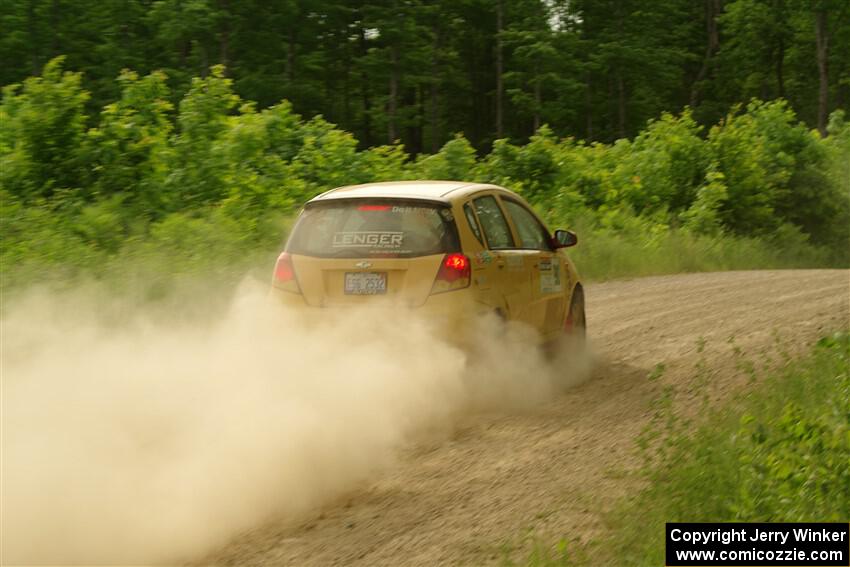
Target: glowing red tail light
<point x="455" y="273"/>
<point x="455" y="267"/>
<point x="284" y="272"/>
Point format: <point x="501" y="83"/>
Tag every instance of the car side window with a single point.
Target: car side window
<point x="493" y="222"/>
<point x="473" y="223"/>
<point x="532" y="234"/>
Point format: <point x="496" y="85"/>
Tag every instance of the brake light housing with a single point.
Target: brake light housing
<point x="455" y="273"/>
<point x="380" y="208"/>
<point x="284" y="274"/>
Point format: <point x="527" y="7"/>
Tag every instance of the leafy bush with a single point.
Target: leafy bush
<point x="455" y="160"/>
<point x="42" y="127"/>
<point x="217" y="175"/>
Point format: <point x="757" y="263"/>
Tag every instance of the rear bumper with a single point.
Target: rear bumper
<point x="452" y="313"/>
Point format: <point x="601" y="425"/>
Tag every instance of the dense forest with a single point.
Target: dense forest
<point x="419" y="71"/>
<point x="179" y="137"/>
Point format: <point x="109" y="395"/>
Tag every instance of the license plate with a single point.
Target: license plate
<point x="365" y="283"/>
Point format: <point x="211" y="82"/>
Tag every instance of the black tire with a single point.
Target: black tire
<point x="574" y="335"/>
<point x="576" y="315"/>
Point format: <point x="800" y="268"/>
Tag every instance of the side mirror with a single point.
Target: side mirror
<point x="564" y="239"/>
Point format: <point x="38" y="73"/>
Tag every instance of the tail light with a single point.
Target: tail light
<point x="284" y="273"/>
<point x="374" y="208"/>
<point x="455" y="273"/>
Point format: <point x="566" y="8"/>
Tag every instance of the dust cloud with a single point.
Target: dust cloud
<point x="132" y="440"/>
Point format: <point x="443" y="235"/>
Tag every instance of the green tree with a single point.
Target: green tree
<point x="42" y="127"/>
<point x="128" y="150"/>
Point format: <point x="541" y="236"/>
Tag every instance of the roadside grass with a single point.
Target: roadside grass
<point x="186" y="266"/>
<point x="779" y="453"/>
<point x="541" y="553"/>
<point x="605" y="255"/>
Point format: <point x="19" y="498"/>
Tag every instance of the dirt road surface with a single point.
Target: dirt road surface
<point x="556" y="470"/>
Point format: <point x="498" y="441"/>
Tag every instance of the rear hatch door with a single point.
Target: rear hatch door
<point x="356" y="251"/>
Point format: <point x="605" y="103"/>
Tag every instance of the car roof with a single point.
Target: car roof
<point x="442" y="191"/>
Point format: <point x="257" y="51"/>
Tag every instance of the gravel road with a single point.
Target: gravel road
<point x="555" y="470"/>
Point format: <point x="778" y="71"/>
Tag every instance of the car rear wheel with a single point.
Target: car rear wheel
<point x="572" y="342"/>
<point x="575" y="325"/>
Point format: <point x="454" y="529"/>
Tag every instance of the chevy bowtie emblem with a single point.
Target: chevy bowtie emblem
<point x="363" y="265"/>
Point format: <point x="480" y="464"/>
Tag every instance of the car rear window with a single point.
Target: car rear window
<point x="361" y="229"/>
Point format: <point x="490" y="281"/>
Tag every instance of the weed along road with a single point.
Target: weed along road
<point x="553" y="471"/>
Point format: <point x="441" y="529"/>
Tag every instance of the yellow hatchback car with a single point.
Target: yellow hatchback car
<point x="447" y="249"/>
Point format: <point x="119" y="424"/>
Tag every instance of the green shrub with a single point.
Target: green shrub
<point x="213" y="179"/>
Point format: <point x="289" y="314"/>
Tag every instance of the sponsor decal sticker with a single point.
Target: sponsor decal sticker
<point x="550" y="276"/>
<point x="514" y="263"/>
<point x="390" y="240"/>
<point x="483" y="258"/>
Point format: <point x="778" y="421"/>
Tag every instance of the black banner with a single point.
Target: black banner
<point x="758" y="544"/>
